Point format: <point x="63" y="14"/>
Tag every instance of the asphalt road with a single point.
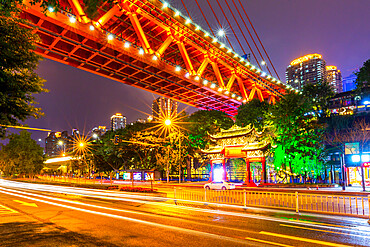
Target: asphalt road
<point x="44" y="215"/>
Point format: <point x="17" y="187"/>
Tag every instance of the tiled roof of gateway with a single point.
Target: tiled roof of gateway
<point x="234" y="132"/>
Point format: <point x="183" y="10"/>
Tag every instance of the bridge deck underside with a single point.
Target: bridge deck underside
<point x="76" y="45"/>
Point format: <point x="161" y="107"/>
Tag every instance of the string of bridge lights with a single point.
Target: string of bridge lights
<point x="205" y="82"/>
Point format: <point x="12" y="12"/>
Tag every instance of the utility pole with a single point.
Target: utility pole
<point x="343" y="172"/>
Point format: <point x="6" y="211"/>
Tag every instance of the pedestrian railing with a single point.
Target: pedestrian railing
<point x="352" y="205"/>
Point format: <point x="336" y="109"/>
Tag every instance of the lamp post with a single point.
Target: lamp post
<point x="62" y="144"/>
<point x="169" y="123"/>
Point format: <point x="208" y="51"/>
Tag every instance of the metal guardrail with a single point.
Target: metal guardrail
<point x="350" y="205"/>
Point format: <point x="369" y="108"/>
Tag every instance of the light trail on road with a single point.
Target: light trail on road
<point x="122" y="196"/>
<point x="111" y="195"/>
<point x="352" y="231"/>
<point x="193" y="232"/>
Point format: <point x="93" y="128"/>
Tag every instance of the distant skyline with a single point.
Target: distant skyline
<point x="338" y="30"/>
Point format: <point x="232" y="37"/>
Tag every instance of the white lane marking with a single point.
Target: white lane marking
<point x="175" y="228"/>
<point x="121" y="195"/>
<point x="303" y="239"/>
<point x="124" y="197"/>
<point x="187" y="208"/>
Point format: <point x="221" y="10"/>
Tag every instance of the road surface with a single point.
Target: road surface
<point x="45" y="215"/>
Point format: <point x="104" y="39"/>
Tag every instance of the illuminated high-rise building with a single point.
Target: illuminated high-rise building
<point x="334" y="78"/>
<point x="118" y="121"/>
<point x="310" y="68"/>
<point x="164" y="107"/>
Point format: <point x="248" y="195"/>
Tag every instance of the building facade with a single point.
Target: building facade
<point x="58" y="143"/>
<point x="118" y="121"/>
<point x="349" y="83"/>
<point x="334" y="78"/>
<point x="98" y="132"/>
<point x="310" y="68"/>
<point x="164" y="108"/>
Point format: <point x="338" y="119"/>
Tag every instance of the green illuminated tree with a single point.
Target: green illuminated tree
<point x="298" y="136"/>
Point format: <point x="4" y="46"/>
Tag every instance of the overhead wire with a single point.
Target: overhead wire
<point x="250" y="48"/>
<point x="209" y="26"/>
<point x="220" y="25"/>
<point x="259" y="52"/>
<point x="227" y="19"/>
<point x="186" y="9"/>
<point x="235" y="19"/>
<point x="250" y="22"/>
<point x="237" y="22"/>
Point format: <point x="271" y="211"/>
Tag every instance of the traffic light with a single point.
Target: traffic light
<point x="116" y="139"/>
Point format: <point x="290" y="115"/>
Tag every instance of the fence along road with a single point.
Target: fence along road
<point x="336" y="204"/>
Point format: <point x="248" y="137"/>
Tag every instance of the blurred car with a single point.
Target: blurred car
<point x="222" y="185"/>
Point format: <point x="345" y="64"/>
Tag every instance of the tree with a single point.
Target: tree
<point x="319" y="94"/>
<point x="298" y="136"/>
<point x="363" y="76"/>
<point x="358" y="131"/>
<point x="203" y="122"/>
<point x="134" y="147"/>
<point x="21" y="156"/>
<point x="252" y="113"/>
<point x="18" y="79"/>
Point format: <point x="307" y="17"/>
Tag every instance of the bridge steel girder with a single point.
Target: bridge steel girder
<point x="145" y="24"/>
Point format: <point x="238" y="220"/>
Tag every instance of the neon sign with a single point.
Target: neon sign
<point x="137" y="175"/>
<point x="126" y="176"/>
<point x="149" y="176"/>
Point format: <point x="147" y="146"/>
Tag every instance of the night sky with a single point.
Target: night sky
<point x="337" y="29"/>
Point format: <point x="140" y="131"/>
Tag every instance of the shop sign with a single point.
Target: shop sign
<point x="366" y="164"/>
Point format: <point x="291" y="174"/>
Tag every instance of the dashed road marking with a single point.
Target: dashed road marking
<point x="268" y="242"/>
<point x="5" y="210"/>
<point x="303" y="239"/>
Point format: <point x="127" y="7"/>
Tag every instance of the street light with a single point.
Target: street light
<point x="168" y="122"/>
<point x="62" y="144"/>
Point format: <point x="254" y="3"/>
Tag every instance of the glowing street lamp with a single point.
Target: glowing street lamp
<point x="63" y="146"/>
<point x="168" y="122"/>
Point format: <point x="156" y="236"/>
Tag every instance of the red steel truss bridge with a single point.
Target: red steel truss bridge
<point x="152" y="46"/>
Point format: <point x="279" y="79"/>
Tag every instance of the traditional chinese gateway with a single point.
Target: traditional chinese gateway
<point x="243" y="143"/>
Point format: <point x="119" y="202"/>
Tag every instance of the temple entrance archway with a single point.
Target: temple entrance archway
<point x="231" y="146"/>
